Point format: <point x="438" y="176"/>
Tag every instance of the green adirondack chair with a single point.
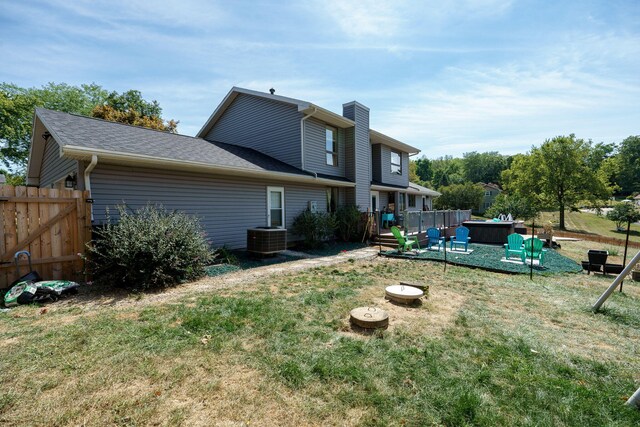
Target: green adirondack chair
<point x="533" y="251"/>
<point x="513" y="245"/>
<point x="404" y="243"/>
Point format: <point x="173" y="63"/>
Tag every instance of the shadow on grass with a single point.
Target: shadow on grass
<point x="620" y="316"/>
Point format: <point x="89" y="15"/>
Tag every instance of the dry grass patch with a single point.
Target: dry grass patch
<point x="279" y="351"/>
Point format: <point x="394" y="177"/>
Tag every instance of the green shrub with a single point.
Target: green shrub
<point x="150" y="248"/>
<point x="348" y="222"/>
<point x="224" y="255"/>
<point x="314" y="227"/>
<point x="518" y="206"/>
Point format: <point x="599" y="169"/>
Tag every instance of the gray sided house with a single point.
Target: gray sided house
<point x="491" y="191"/>
<point x="259" y="160"/>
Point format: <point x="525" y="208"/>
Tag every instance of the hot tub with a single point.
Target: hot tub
<point x="493" y="232"/>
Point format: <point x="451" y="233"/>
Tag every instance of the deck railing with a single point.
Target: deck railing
<point x="419" y="221"/>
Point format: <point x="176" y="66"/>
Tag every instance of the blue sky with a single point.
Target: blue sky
<point x="445" y="76"/>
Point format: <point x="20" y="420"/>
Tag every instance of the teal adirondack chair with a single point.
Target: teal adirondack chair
<point x="461" y="238"/>
<point x="404" y="243"/>
<point x="433" y="238"/>
<point x="536" y="253"/>
<point x="514" y="245"/>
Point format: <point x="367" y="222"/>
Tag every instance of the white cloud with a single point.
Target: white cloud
<point x="512" y="107"/>
<point x="365" y="18"/>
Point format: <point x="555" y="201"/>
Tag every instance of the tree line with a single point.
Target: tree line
<point x="560" y="174"/>
<point x="17" y="106"/>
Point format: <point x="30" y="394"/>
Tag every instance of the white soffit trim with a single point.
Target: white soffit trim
<point x="83" y="153"/>
<point x="327" y="116"/>
<point x="385" y="188"/>
<point x="380" y="138"/>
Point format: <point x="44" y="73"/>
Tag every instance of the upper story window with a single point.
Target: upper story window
<point x="487" y="193"/>
<point x="396" y="163"/>
<point x="331" y="146"/>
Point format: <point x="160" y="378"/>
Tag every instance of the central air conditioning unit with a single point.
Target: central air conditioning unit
<point x="266" y="240"/>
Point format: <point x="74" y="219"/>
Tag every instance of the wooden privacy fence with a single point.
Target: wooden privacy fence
<point x="53" y="225"/>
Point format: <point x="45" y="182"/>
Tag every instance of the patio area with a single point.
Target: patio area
<point x="491" y="258"/>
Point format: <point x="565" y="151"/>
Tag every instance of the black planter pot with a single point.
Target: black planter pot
<point x="613" y="268"/>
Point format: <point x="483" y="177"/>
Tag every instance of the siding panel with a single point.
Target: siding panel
<point x="271" y="127"/>
<point x="376" y="162"/>
<point x="55" y="167"/>
<point x="315" y="150"/>
<point x="226" y="206"/>
<point x="387" y="177"/>
<point x="361" y="153"/>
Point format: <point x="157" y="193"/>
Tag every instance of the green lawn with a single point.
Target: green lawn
<point x="484" y="349"/>
<point x="583" y="222"/>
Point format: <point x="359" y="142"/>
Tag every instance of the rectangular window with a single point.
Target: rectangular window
<point x="396" y="163"/>
<point x="331" y="146"/>
<point x="487" y="193"/>
<point x="275" y="207"/>
<point x="332" y="199"/>
<point x="412" y="200"/>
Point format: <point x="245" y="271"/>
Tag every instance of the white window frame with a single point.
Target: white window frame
<point x="487" y="193"/>
<point x="273" y="190"/>
<point x="399" y="165"/>
<point x="333" y="154"/>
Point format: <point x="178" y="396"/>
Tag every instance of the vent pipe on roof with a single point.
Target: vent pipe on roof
<point x="272" y="90"/>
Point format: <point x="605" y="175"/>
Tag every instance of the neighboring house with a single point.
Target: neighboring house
<point x="259" y="160"/>
<point x="636" y="200"/>
<point x="491" y="191"/>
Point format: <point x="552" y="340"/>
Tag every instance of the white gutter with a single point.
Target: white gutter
<point x="107" y="156"/>
<point x="315" y="110"/>
<point x="87" y="171"/>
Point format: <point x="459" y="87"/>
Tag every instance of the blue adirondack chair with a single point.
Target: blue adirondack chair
<point x="533" y="251"/>
<point x="461" y="238"/>
<point x="514" y="245"/>
<point x="404" y="243"/>
<point x="433" y="238"/>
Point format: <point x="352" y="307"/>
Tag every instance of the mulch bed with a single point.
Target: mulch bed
<point x="487" y="257"/>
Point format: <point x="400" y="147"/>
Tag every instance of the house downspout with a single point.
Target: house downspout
<point x="302" y="139"/>
<point x="87" y="171"/>
<point x="87" y="178"/>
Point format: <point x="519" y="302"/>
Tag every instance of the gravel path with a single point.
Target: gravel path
<point x="92" y="297"/>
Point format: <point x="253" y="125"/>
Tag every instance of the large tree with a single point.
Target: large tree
<point x="557" y="175"/>
<point x="627" y="165"/>
<point x="423" y="169"/>
<point x="459" y="196"/>
<point x="483" y="167"/>
<point x="623" y="213"/>
<point x="130" y="108"/>
<point x="447" y="170"/>
<point x="17" y="105"/>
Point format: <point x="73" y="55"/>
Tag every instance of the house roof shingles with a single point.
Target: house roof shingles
<point x="92" y="133"/>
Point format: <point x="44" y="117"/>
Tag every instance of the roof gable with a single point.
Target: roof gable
<point x="80" y="137"/>
<point x="303" y="107"/>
